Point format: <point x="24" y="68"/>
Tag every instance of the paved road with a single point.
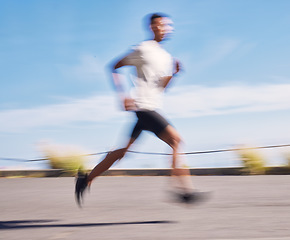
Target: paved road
<point x="241" y="207"/>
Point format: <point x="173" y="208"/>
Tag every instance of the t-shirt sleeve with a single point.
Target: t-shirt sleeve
<point x="134" y="57"/>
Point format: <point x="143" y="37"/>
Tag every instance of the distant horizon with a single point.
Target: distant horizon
<point x="235" y="162"/>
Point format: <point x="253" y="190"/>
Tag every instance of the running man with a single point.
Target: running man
<point x="155" y="68"/>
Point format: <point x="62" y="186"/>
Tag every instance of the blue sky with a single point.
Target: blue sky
<point x="55" y="85"/>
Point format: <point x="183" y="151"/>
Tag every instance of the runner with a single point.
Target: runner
<point x="155" y="68"/>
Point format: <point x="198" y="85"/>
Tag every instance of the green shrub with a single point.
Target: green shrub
<point x="69" y="162"/>
<point x="252" y="160"/>
<point x="63" y="156"/>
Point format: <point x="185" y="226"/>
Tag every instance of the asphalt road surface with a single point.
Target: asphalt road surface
<point x="240" y="207"/>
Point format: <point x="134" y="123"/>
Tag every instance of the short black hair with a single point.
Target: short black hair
<point x="153" y="16"/>
<point x="149" y="19"/>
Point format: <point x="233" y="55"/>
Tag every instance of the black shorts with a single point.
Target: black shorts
<point x="149" y="121"/>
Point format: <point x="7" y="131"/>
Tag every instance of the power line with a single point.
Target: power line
<point x="23" y="160"/>
<point x="214" y="151"/>
<point x="158" y="153"/>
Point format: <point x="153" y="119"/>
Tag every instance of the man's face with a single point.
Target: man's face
<point x="162" y="27"/>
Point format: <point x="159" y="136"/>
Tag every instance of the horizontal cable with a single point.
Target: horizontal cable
<point x="158" y="153"/>
<point x="214" y="151"/>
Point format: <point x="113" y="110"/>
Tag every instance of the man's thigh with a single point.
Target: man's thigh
<point x="170" y="136"/>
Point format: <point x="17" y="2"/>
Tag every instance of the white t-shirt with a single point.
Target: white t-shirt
<point x="152" y="62"/>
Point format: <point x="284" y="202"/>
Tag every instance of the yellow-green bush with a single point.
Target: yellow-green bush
<point x="252" y="160"/>
<point x="63" y="156"/>
<point x="69" y="162"/>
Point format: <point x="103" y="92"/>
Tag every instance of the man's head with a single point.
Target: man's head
<point x="161" y="26"/>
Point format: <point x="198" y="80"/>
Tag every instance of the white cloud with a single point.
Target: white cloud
<point x="183" y="102"/>
<point x="93" y="109"/>
<point x="194" y="101"/>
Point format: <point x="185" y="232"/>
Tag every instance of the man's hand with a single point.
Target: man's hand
<point x="166" y="80"/>
<point x="177" y="66"/>
<point x="129" y="104"/>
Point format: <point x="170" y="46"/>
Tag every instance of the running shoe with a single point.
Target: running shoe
<point x="193" y="197"/>
<point x="81" y="185"/>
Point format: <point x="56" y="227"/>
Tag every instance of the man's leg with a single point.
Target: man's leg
<point x="180" y="172"/>
<point x="109" y="160"/>
<point x="83" y="181"/>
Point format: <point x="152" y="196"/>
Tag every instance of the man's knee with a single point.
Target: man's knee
<point x="118" y="154"/>
<point x="174" y="141"/>
<point x="122" y="152"/>
<point x="171" y="137"/>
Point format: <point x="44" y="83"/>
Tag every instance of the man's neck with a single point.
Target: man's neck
<point x="157" y="38"/>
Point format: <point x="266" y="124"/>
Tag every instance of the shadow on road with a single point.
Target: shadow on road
<point x="23" y="224"/>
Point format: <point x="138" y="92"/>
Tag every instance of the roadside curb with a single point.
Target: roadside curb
<point x="142" y="172"/>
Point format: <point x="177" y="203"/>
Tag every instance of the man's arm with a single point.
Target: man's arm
<point x="127" y="102"/>
<point x="166" y="80"/>
<point x="116" y="77"/>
